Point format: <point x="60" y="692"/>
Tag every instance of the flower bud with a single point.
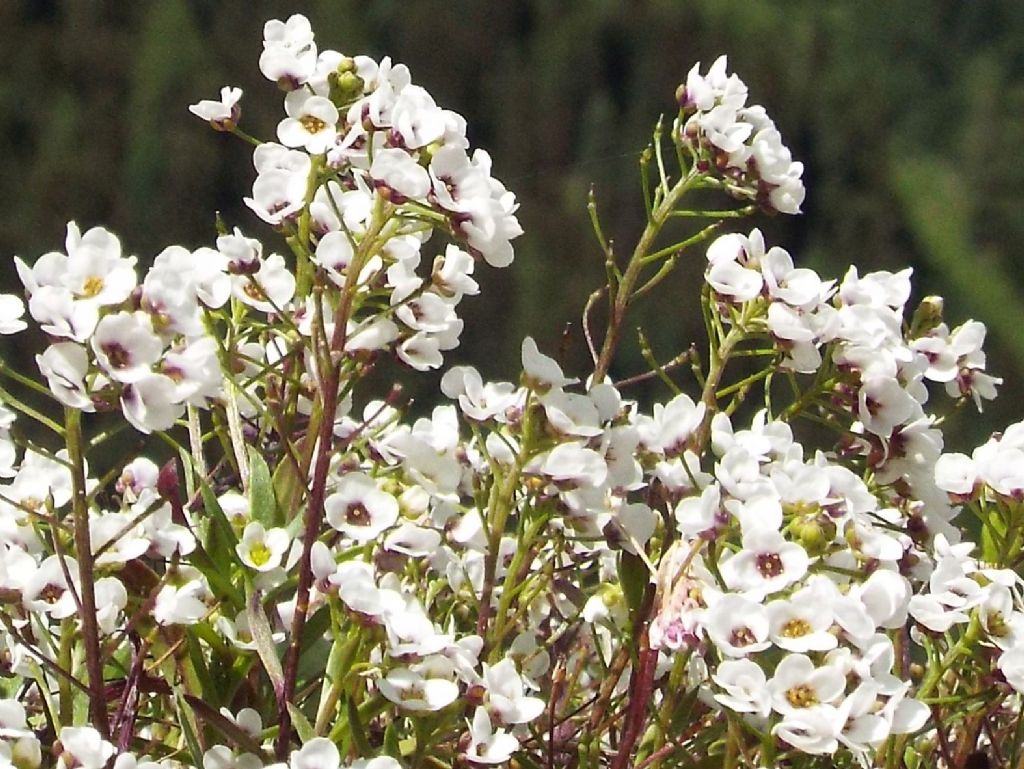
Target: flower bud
<point x="26" y="753"/>
<point x="814" y="534"/>
<point x="345" y="87"/>
<point x="926" y="317"/>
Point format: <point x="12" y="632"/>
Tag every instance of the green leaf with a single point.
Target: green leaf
<point x="356" y="730"/>
<point x="221" y="584"/>
<point x="391" y="746"/>
<point x="190" y="472"/>
<point x="315" y="648"/>
<point x="202" y="672"/>
<point x="262" y="502"/>
<point x="189" y="727"/>
<point x="301" y="724"/>
<point x="262" y="636"/>
<point x="634" y="577"/>
<point x="220" y="537"/>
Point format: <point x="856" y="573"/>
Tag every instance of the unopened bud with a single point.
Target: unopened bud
<point x="26" y="753"/>
<point x="345" y="87"/>
<point x="167" y="480"/>
<point x="476" y="694"/>
<point x="815" y="534"/>
<point x="927" y="316"/>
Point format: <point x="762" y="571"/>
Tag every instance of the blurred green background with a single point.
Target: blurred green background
<point x="909" y="117"/>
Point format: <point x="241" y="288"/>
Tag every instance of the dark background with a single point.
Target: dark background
<point x="909" y="117"/>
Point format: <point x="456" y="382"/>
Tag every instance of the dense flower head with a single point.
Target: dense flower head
<point x="738" y="141"/>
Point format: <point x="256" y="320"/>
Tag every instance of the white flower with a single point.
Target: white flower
<point x="745" y="687"/>
<point x="65" y="365"/>
<point x="261" y="549"/>
<point x="289" y="52"/>
<point x="542" y="372"/>
<point x="882" y="404"/>
<point x="239" y="633"/>
<point x="358" y="590"/>
<point x="84" y="748"/>
<point x="311" y="122"/>
<point x="359" y="509"/>
<point x="798" y="685"/>
<point x="451" y="274"/>
<point x="181" y="605"/>
<point x="571" y="414"/>
<point x="269" y="289"/>
<point x="421" y="351"/>
<point x="573" y="465"/>
<point x="318" y="753"/>
<point x="126" y="347"/>
<point x="737" y="625"/>
<point x="880" y="288"/>
<point x="487" y="746"/>
<point x="121" y="538"/>
<point x="732" y="280"/>
<point x="886" y="597"/>
<point x="766" y="564"/>
<point x="278" y="193"/>
<point x="11" y="310"/>
<point x="669" y="428"/>
<point x="46" y="589"/>
<point x="399" y="172"/>
<point x="956" y="474"/>
<point x="797" y="287"/>
<point x="57" y="312"/>
<point x="506" y="696"/>
<point x="222" y="114"/>
<point x="801" y="624"/>
<point x="1011" y="665"/>
<point x="813" y="730"/>
<point x="416" y="118"/>
<point x="150" y="403"/>
<point x="334" y="254"/>
<point x="413" y="691"/>
<point x="222" y="757"/>
<point x="477" y="400"/>
<point x="696" y="515"/>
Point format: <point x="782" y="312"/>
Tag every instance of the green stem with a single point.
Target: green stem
<point x="624" y="293"/>
<point x="932" y="679"/>
<point x="524" y="550"/>
<point x="9" y="400"/>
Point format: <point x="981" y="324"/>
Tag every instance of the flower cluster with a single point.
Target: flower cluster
<point x="736" y="142"/>
<point x="530" y="571"/>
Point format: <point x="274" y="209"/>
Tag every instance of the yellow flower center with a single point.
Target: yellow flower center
<point x="312" y="123"/>
<point x="795" y="628"/>
<point x="802" y="696"/>
<point x="259" y="554"/>
<point x="92" y="286"/>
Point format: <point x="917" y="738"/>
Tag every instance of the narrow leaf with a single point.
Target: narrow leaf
<point x="301" y="723"/>
<point x="634" y="577"/>
<point x="220" y="537"/>
<point x="356" y="729"/>
<point x="262" y="502"/>
<point x="262" y="636"/>
<point x="189" y="727"/>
